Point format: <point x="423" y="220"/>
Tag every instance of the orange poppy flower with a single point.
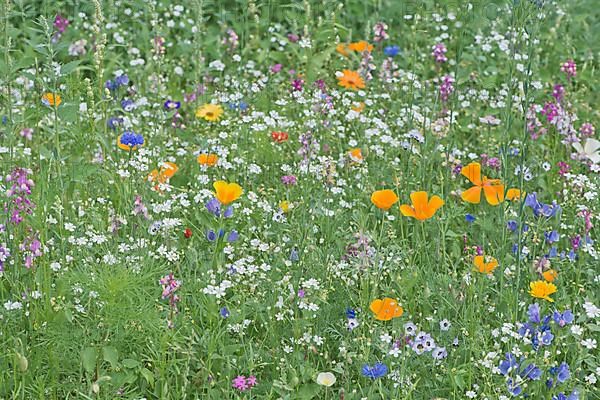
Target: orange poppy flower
<point x="342" y="49"/>
<point x="210" y="160"/>
<point x="351" y="80"/>
<point x="356" y="155"/>
<point x="493" y="189"/>
<point x="514" y="194"/>
<point x="421" y="208"/>
<point x="360" y="46"/>
<point x="485" y="264"/>
<point x="384" y="199"/>
<point x="227" y="192"/>
<point x="386" y="309"/>
<point x="279" y="137"/>
<point x="167" y="170"/>
<point x="550" y="275"/>
<point x="51" y="99"/>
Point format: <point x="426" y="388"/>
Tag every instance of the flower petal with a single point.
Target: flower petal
<point x="472" y="195"/>
<point x="473" y="173"/>
<point x="407" y="211"/>
<point x="494" y="194"/>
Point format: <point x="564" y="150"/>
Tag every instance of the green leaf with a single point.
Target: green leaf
<point x="307" y="392"/>
<point x="88" y="358"/>
<point x="111" y="355"/>
<point x="131" y="363"/>
<point x="69" y="67"/>
<point x="148" y="375"/>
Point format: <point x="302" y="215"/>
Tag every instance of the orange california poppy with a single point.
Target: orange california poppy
<point x="493" y="189"/>
<point x="167" y="170"/>
<point x="550" y="275"/>
<point x="51" y="99"/>
<point x="384" y="199"/>
<point x="360" y="46"/>
<point x="210" y="160"/>
<point x="514" y="194"/>
<point x="485" y="264"/>
<point x="279" y="137"/>
<point x="386" y="309"/>
<point x="356" y="155"/>
<point x="351" y="80"/>
<point x="421" y="208"/>
<point x="227" y="193"/>
<point x="342" y="49"/>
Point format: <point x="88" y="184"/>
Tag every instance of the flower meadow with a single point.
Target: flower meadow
<point x="299" y="200"/>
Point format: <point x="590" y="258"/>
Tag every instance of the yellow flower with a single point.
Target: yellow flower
<point x="227" y="193"/>
<point x="326" y="379"/>
<point x="285" y="206"/>
<point x="384" y="199"/>
<point x="51" y="99"/>
<point x="485" y="265"/>
<point x="542" y="290"/>
<point x="210" y="112"/>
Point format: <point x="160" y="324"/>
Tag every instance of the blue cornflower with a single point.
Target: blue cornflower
<point x="350" y="313"/>
<point x="224" y="312"/>
<point x="376" y="371"/>
<point x="391" y="51"/>
<point x="131" y="139"/>
<point x="470" y="218"/>
<point x="122" y="80"/>
<point x="563" y="319"/>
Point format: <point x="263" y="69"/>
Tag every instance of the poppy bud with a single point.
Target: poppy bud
<point x="187" y="233"/>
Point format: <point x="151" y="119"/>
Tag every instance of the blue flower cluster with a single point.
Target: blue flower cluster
<point x="538" y="328"/>
<point x="378" y="370"/>
<point x="121" y="80"/>
<point x="132" y="139"/>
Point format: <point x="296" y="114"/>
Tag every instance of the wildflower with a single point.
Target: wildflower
<point x="360" y="46"/>
<point x="326" y="379"/>
<point x="493" y="189"/>
<point x="470" y="218"/>
<point x="391" y="51"/>
<point x="485" y="264"/>
<point x="439" y="353"/>
<point x="386" y="309"/>
<point x="439" y="53"/>
<point x="209" y="112"/>
<point x="356" y="155"/>
<point x="227" y="193"/>
<point x="288" y="180"/>
<point x="561" y="396"/>
<point x="130" y="141"/>
<point x="187" y="233"/>
<point x="378" y="370"/>
<point x="590" y="151"/>
<point x="445" y="325"/>
<point x="564" y="318"/>
<point x="27" y="133"/>
<point x="421" y="208"/>
<point x="172" y="105"/>
<point x="542" y="290"/>
<point x="279" y="137"/>
<point x="446" y="88"/>
<point x="51" y="99"/>
<point x="224" y="312"/>
<point x="587" y="129"/>
<point x="209" y="160"/>
<point x="233" y="236"/>
<point x="139" y="208"/>
<point x="166" y="172"/>
<point x="569" y="68"/>
<point x="550" y="275"/>
<point x="379" y="31"/>
<point x="541" y="209"/>
<point x="284" y="206"/>
<point x="351" y="80"/>
<point x="384" y="199"/>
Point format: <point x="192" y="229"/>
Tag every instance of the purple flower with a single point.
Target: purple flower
<point x="552" y="236"/>
<point x="224" y="312"/>
<point x="439" y="53"/>
<point x="214" y="207"/>
<point x="288" y="180"/>
<point x="509" y="363"/>
<point x="439" y="353"/>
<point x="233" y="236"/>
<point x="172" y="105"/>
<point x="531" y="372"/>
<point x="534" y="313"/>
<point x="564" y="318"/>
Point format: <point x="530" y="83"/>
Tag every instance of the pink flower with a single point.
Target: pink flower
<point x="570" y="68"/>
<point x="240" y="383"/>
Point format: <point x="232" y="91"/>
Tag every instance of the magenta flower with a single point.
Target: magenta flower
<point x="439" y="53"/>
<point x="570" y="68"/>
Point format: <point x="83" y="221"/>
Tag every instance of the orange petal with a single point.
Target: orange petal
<point x="376" y="305"/>
<point x="473" y="173"/>
<point x="494" y="194"/>
<point x="513" y="194"/>
<point x="407" y="211"/>
<point x="419" y="201"/>
<point x="435" y="203"/>
<point x="472" y="195"/>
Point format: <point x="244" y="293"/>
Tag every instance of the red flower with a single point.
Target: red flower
<point x="279" y="137"/>
<point x="187" y="233"/>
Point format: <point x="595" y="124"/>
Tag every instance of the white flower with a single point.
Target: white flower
<point x="589" y="151"/>
<point x="591" y="310"/>
<point x="590" y="344"/>
<point x="576" y="330"/>
<point x="326" y="379"/>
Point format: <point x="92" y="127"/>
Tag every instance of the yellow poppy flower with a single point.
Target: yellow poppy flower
<point x="384" y="199"/>
<point x="485" y="265"/>
<point x="227" y="193"/>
